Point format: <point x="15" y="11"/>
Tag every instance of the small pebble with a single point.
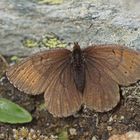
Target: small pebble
<point x="122" y="118"/>
<point x="109" y="128"/>
<point x="2" y="136"/>
<point x="29" y="134"/>
<point x="72" y="131"/>
<point x="111" y="119"/>
<point x="131" y="135"/>
<point x="94" y="138"/>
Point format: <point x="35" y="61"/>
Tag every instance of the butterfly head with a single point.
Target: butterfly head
<point x="76" y="46"/>
<point x="77" y="52"/>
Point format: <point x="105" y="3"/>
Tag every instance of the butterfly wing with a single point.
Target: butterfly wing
<point x="101" y="91"/>
<point x="48" y="72"/>
<point x="106" y="67"/>
<point x="121" y="63"/>
<point x="62" y="97"/>
<point x="31" y="74"/>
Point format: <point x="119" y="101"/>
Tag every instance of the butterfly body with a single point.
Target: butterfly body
<point x="68" y="79"/>
<point x="78" y="66"/>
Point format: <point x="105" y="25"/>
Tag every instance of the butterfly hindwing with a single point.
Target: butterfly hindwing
<point x="62" y="97"/>
<point x="101" y="93"/>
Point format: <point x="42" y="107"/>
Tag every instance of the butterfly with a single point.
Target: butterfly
<point x="68" y="79"/>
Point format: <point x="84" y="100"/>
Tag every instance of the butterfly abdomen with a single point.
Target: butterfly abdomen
<point x="78" y="66"/>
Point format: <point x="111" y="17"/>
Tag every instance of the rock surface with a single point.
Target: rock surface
<point x="91" y="21"/>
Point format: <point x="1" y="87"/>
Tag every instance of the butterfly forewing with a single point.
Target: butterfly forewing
<point x="31" y="74"/>
<point x="120" y="63"/>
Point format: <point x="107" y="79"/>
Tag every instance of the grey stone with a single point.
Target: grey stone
<point x="112" y="22"/>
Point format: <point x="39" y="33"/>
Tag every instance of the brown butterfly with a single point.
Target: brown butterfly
<point x="89" y="76"/>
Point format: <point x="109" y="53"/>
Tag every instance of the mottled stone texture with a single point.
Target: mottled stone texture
<point x="90" y="21"/>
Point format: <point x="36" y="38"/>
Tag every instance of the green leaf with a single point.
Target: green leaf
<point x="13" y="113"/>
<point x="63" y="135"/>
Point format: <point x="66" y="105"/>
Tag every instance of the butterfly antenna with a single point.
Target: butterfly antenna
<point x="76" y="46"/>
<point x="87" y="31"/>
